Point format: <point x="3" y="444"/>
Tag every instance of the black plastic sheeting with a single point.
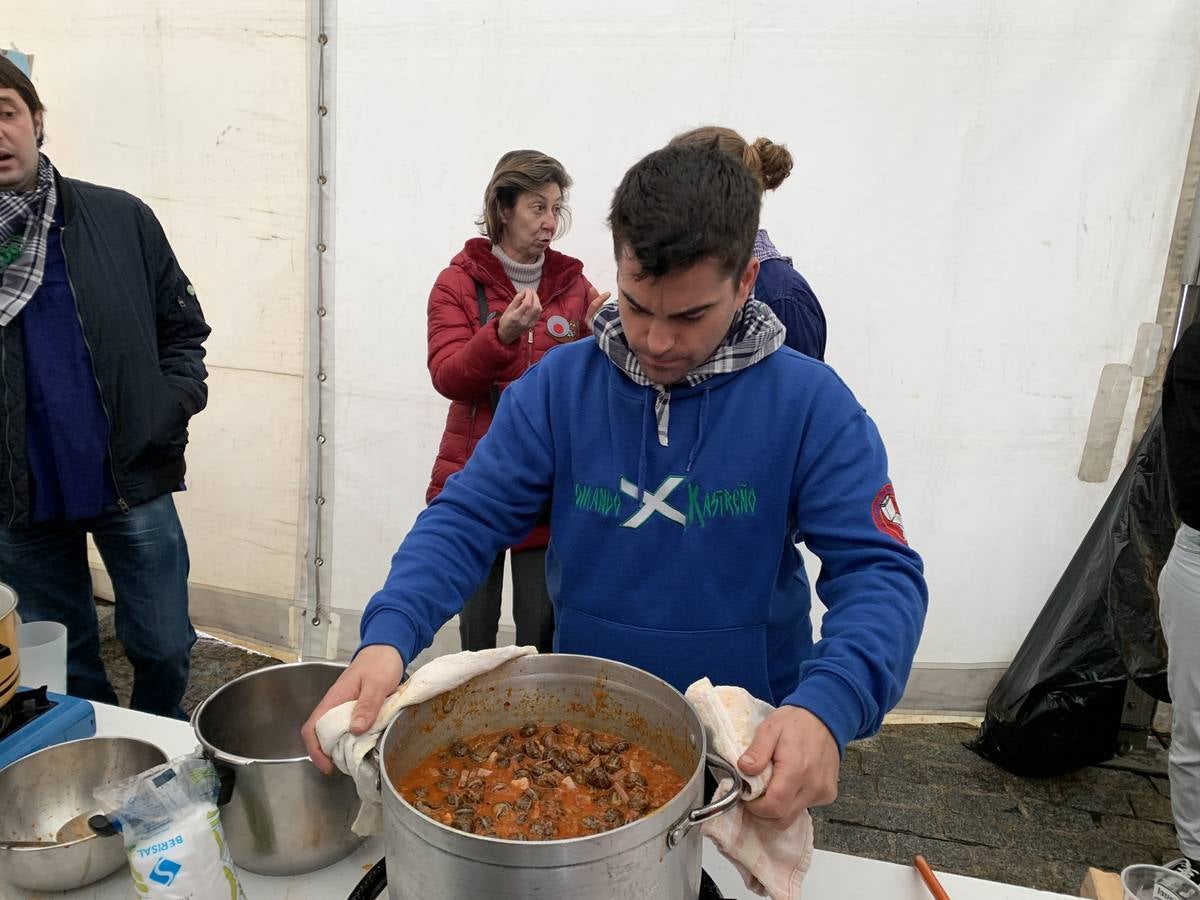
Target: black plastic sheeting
<point x="1058" y="707"/>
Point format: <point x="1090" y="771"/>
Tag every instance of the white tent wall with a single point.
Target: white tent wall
<point x="983" y="200"/>
<point x="202" y="110"/>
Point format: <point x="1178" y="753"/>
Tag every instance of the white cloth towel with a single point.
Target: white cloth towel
<point x="772" y="863"/>
<point x="349" y="752"/>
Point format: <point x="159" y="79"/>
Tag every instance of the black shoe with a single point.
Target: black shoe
<point x="1188" y="868"/>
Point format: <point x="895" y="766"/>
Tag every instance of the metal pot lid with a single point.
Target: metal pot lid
<point x="8" y="600"/>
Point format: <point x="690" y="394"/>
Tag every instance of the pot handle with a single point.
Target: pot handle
<point x="714" y="809"/>
<point x="228" y="776"/>
<point x="102" y="825"/>
<point x="373" y="758"/>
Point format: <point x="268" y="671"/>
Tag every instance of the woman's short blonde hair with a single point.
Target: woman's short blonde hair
<point x="519" y="171"/>
<point x="768" y="162"/>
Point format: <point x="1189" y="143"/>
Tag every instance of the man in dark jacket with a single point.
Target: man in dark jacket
<point x="101" y="367"/>
<point x="1179" y="594"/>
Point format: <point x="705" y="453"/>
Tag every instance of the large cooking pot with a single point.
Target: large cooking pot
<point x="283" y="817"/>
<point x="654" y="858"/>
<point x="10" y="667"/>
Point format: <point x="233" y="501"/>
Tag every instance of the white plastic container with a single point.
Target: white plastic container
<point x="43" y="655"/>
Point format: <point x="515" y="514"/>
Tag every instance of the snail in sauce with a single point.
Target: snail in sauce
<point x="539" y="783"/>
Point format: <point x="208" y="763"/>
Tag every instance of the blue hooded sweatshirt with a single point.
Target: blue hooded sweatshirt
<point x="682" y="559"/>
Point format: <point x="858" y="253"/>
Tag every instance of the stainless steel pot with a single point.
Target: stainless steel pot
<point x="10" y="658"/>
<point x="45" y="791"/>
<point x="283" y="816"/>
<point x="654" y="858"/>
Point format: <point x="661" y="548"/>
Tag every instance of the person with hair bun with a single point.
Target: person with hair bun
<point x="779" y="285"/>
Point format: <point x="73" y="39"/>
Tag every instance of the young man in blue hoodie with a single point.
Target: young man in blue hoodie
<point x="685" y="455"/>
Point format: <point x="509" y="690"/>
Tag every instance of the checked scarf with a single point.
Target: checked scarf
<point x="754" y="334"/>
<point x="25" y="218"/>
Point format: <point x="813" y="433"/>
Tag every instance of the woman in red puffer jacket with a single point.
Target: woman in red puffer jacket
<point x="532" y="298"/>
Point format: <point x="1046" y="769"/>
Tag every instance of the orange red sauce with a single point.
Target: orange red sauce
<point x="540" y="783"/>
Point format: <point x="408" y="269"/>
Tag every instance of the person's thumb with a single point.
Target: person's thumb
<point x="370" y="699"/>
<point x="761" y="749"/>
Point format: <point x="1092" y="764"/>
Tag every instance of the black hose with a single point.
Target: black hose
<point x="372" y="884"/>
<point x="708" y="888"/>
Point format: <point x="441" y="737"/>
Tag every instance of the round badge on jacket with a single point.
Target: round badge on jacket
<point x="560" y="329"/>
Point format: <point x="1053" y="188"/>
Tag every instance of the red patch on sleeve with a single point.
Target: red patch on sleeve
<point x="886" y="513"/>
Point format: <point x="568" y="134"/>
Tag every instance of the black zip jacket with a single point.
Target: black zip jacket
<point x="1181" y="424"/>
<point x="145" y="332"/>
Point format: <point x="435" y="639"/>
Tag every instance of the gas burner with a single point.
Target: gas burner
<point x="25" y="706"/>
<point x="35" y="718"/>
<point x="374" y="883"/>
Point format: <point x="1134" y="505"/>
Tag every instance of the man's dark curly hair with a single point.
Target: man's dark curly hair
<point x="680" y="205"/>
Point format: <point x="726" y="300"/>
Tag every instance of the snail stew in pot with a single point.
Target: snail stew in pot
<point x="538" y="783"/>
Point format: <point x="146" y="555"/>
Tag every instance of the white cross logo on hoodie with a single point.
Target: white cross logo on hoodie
<point x="653" y="503"/>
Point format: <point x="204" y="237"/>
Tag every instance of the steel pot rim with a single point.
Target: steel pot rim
<point x="8" y="600"/>
<point x="10" y="653"/>
<point x="95" y="738"/>
<point x="232" y="759"/>
<point x="669" y="825"/>
<point x="56" y="845"/>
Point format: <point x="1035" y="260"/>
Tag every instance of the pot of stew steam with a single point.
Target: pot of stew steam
<point x="628" y="847"/>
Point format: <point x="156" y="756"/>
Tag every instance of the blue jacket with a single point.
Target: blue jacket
<point x="791" y="298"/>
<point x="682" y="560"/>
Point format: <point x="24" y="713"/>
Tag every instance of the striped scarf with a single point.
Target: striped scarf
<point x="754" y="334"/>
<point x="25" y="219"/>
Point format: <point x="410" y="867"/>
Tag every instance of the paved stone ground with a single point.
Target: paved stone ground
<point x="213" y="663"/>
<point x="916" y="789"/>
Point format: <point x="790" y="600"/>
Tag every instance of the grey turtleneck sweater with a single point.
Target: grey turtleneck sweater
<point x="523" y="275"/>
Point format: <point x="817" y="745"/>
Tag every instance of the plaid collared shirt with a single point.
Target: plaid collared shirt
<point x="764" y="249"/>
<point x="754" y="335"/>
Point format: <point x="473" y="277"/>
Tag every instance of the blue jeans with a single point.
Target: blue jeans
<point x="533" y="613"/>
<point x="146" y="557"/>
